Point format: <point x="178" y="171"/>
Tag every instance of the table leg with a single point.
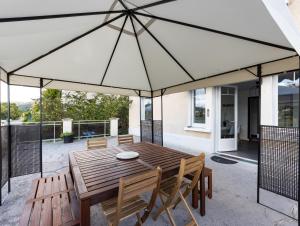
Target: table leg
<point x="195" y="198"/>
<point x="85" y="212"/>
<point x="202" y="193"/>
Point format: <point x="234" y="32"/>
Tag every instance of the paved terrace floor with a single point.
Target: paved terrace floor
<point x="233" y="203"/>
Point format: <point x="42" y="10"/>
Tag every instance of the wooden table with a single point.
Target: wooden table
<point x="96" y="173"/>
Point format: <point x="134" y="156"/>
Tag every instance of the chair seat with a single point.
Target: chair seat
<point x="167" y="185"/>
<point x="129" y="208"/>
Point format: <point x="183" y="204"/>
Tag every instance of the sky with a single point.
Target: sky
<point x="19" y="94"/>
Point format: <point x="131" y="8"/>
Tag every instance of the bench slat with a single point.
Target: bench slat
<point x="52" y="201"/>
<point x="65" y="204"/>
<point x="28" y="207"/>
<point x="36" y="213"/>
<point x="46" y="215"/>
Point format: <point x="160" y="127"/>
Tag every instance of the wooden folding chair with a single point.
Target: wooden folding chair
<point x="96" y="143"/>
<point x="125" y="139"/>
<point x="170" y="190"/>
<point x="129" y="202"/>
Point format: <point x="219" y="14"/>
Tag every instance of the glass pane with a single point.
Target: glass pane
<point x="227" y="112"/>
<point x="147" y="106"/>
<point x="288" y="99"/>
<point x="199" y="106"/>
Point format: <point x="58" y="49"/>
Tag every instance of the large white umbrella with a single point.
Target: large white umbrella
<point x="144" y="46"/>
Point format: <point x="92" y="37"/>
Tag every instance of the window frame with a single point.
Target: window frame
<point x="195" y="124"/>
<point x="294" y="74"/>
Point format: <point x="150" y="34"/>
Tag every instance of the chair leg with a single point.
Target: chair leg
<point x="188" y="208"/>
<point x="139" y="220"/>
<point x="162" y="209"/>
<point x="170" y="217"/>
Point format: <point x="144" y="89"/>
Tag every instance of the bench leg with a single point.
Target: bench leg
<point x="210" y="186"/>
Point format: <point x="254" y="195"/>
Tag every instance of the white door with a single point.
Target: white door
<point x="226" y="118"/>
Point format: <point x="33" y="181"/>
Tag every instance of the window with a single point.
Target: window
<point x="198" y="107"/>
<point x="146" y="108"/>
<point x="288" y="99"/>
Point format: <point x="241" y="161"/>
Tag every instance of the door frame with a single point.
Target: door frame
<point x="248" y="132"/>
<point x="218" y="118"/>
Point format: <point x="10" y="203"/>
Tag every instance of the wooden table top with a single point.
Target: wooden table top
<point x="96" y="173"/>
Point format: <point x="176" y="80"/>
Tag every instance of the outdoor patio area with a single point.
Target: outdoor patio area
<point x="150" y="112"/>
<point x="233" y="202"/>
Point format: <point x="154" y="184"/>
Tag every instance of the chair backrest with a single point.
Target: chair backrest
<point x="125" y="139"/>
<point x="137" y="185"/>
<point x="96" y="143"/>
<point x="192" y="166"/>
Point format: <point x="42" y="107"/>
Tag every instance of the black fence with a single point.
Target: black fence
<point x="279" y="161"/>
<point x="52" y="130"/>
<point x="25" y="149"/>
<point x="147" y="131"/>
<point x="4" y="155"/>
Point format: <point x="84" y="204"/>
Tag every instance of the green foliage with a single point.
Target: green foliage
<point x="15" y="113"/>
<point x="66" y="134"/>
<point x="81" y="106"/>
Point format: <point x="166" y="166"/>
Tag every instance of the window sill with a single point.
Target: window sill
<point x="197" y="129"/>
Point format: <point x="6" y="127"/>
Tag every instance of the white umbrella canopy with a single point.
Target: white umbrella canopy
<point x="136" y="47"/>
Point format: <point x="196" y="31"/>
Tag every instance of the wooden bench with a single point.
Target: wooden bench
<point x="52" y="201"/>
<point x="125" y="139"/>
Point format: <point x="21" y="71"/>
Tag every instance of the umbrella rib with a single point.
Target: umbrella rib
<point x="56" y="16"/>
<point x="114" y="49"/>
<point x="251" y="72"/>
<point x="164" y="48"/>
<point x="232" y="71"/>
<point x="218" y="32"/>
<point x="3" y="69"/>
<point x="47" y="83"/>
<point x="65" y="44"/>
<point x="152" y="4"/>
<point x="138" y="43"/>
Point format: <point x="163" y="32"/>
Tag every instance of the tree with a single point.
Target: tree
<point x="15" y="112"/>
<point x="81" y="106"/>
<point x="52" y="106"/>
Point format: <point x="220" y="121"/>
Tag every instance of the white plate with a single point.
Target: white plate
<point x="127" y="155"/>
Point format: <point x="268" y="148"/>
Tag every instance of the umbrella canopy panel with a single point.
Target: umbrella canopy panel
<point x="122" y="46"/>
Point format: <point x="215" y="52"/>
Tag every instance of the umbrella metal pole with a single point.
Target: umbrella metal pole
<point x="299" y="136"/>
<point x="41" y="126"/>
<point x="141" y="131"/>
<point x="162" y="117"/>
<point x="0" y="153"/>
<point x="8" y="133"/>
<point x="259" y="131"/>
<point x="152" y="119"/>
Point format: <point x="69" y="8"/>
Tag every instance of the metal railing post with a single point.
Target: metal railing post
<point x="78" y="129"/>
<point x="54" y="132"/>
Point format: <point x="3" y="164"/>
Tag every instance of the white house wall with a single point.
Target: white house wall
<point x="176" y="119"/>
<point x="269" y="101"/>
